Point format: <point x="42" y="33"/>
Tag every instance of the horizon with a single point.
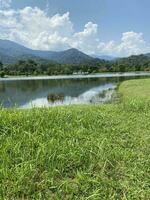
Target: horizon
<point x="61" y="25"/>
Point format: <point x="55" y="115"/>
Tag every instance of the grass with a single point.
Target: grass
<point x="87" y="152"/>
<point x="136" y="89"/>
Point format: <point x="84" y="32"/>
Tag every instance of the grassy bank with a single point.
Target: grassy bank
<point x="78" y="152"/>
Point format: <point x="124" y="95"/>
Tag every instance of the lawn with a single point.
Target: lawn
<point x="86" y="152"/>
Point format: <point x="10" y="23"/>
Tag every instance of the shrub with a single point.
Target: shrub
<point x="55" y="97"/>
<point x="2" y="74"/>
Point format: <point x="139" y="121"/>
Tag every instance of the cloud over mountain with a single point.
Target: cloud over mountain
<point x="33" y="28"/>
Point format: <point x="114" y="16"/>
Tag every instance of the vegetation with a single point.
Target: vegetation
<point x="19" y="60"/>
<point x="78" y="152"/>
<point x="136" y="90"/>
<point x="133" y="63"/>
<point x="55" y="97"/>
<point x="31" y="67"/>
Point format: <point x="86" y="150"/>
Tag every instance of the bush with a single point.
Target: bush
<point x="2" y="74"/>
<point x="55" y="97"/>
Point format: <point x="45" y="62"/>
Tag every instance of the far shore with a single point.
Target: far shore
<point x="78" y="76"/>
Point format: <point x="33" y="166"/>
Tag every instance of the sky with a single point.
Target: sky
<point x="96" y="27"/>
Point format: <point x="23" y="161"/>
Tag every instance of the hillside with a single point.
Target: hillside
<point x="132" y="63"/>
<point x="11" y="52"/>
<point x="104" y="57"/>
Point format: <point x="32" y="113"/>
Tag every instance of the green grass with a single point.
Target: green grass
<point x="136" y="89"/>
<point x="87" y="152"/>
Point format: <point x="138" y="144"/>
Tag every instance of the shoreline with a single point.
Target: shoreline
<point x="59" y="77"/>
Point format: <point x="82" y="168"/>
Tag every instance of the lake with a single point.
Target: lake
<point x="27" y="92"/>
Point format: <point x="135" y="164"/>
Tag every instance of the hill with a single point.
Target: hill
<point x="11" y="52"/>
<point x="133" y="63"/>
<point x="104" y="57"/>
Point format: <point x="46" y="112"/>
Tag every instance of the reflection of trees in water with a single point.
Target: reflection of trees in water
<point x="23" y="91"/>
<point x="33" y="85"/>
<point x="2" y="87"/>
<point x="39" y="85"/>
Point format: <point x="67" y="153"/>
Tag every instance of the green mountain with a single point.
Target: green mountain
<point x="11" y="52"/>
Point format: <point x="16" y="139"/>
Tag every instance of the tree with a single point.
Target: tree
<point x="2" y="74"/>
<point x="122" y="68"/>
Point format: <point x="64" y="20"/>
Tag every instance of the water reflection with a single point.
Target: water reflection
<point x="28" y="93"/>
<point x="95" y="95"/>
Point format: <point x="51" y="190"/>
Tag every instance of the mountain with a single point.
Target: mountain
<point x="148" y="55"/>
<point x="104" y="57"/>
<point x="11" y="52"/>
<point x="70" y="56"/>
<point x="133" y="63"/>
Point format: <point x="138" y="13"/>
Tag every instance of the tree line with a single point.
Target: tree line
<point x="31" y="67"/>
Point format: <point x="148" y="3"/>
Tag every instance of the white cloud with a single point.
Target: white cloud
<point x="33" y="28"/>
<point x="86" y="40"/>
<point x="131" y="43"/>
<point x="5" y="3"/>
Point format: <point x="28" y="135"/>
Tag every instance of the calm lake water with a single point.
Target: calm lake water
<point x="33" y="91"/>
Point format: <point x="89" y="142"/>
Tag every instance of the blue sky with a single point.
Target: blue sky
<point x="114" y="27"/>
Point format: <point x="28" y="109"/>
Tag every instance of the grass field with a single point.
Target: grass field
<point x="87" y="152"/>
